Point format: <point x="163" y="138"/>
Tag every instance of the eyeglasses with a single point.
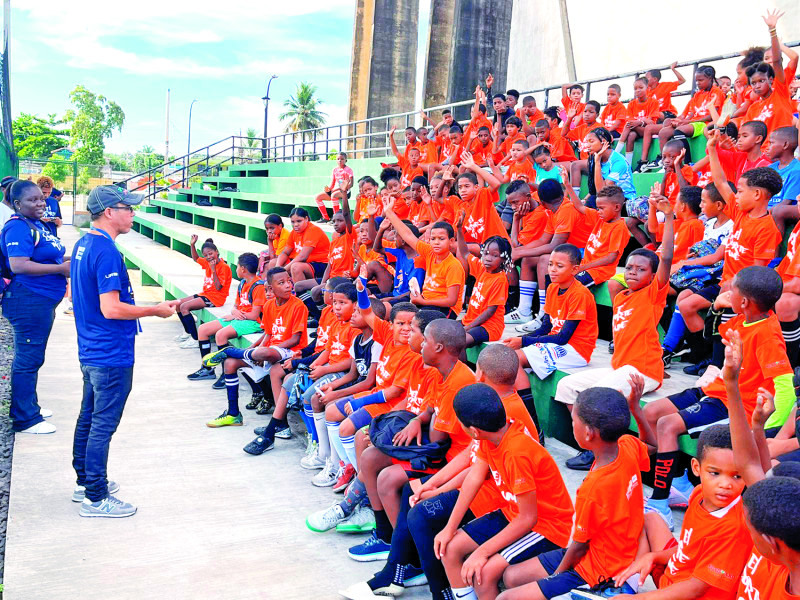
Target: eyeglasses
<point x="128" y="208"/>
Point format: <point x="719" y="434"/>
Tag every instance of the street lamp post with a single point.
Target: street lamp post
<point x="266" y="109"/>
<point x="188" y="142"/>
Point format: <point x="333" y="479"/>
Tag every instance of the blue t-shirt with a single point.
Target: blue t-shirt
<point x="52" y="209"/>
<point x="791" y="182"/>
<point x="97" y="268"/>
<point x="404" y="271"/>
<point x="617" y="170"/>
<point x="542" y="174"/>
<point x="20" y="242"/>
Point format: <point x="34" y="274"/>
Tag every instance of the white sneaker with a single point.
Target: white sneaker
<point x="182" y="337"/>
<point x="40" y="428"/>
<point x="361" y="591"/>
<point x="530" y="326"/>
<point x="325" y="520"/>
<point x="45" y="412"/>
<point x="328" y="476"/>
<point x="515" y="317"/>
<point x="312" y="461"/>
<point x="361" y="520"/>
<point x="108" y="507"/>
<point x="79" y="493"/>
<point x="188" y="344"/>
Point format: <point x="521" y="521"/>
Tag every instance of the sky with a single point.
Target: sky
<point x="219" y="53"/>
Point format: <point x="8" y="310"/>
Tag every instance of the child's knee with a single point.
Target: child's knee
<point x="346" y="428"/>
<point x="670" y="426"/>
<point x="332" y="413"/>
<point x="458" y="548"/>
<point x="229" y="367"/>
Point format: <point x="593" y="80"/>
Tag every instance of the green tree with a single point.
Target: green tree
<point x="302" y="110"/>
<point x="92" y="119"/>
<point x="35" y="137"/>
<point x="120" y="162"/>
<point x="146" y="158"/>
<point x="58" y="170"/>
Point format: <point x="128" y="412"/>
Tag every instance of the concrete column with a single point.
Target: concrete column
<point x="360" y="65"/>
<point x="440" y="43"/>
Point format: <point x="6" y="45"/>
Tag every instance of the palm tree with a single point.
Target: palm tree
<point x="302" y="110"/>
<point x="251" y="141"/>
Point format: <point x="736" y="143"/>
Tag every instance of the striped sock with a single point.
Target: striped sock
<point x="349" y="445"/>
<point x="527" y="289"/>
<point x="232" y="388"/>
<point x="791" y="335"/>
<point x="337" y="450"/>
<point x="308" y="419"/>
<point x="542" y="298"/>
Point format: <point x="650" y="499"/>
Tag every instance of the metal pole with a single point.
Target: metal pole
<point x="266" y="110"/>
<point x="188" y="143"/>
<point x="567" y="35"/>
<point x="166" y="143"/>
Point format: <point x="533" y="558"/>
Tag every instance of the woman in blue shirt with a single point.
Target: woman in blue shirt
<point x="35" y="258"/>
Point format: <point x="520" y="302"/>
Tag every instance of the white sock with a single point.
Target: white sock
<point x="337" y="450"/>
<point x="467" y="593"/>
<point x="324" y="447"/>
<point x="620" y="147"/>
<point x="349" y="445"/>
<point x="577" y="190"/>
<point x="542" y="298"/>
<point x="526" y="291"/>
<point x="629" y="158"/>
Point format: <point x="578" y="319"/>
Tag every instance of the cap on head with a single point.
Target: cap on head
<point x="106" y="196"/>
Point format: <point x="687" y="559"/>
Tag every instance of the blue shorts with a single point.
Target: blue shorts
<point x="698" y="411"/>
<point x="479" y="335"/>
<point x="319" y="269"/>
<point x="557" y="585"/>
<point x="359" y="417"/>
<point x="528" y="546"/>
<point x="585" y="278"/>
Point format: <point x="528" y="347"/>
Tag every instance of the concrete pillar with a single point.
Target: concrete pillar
<point x="439" y="51"/>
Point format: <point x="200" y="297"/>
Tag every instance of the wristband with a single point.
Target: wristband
<point x="363" y="296"/>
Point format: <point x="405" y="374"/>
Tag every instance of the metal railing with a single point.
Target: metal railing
<point x="368" y="138"/>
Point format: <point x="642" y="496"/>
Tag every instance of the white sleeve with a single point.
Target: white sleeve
<point x="376" y="351"/>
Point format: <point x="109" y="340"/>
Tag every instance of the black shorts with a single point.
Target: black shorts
<point x="614" y="134"/>
<point x="209" y="303"/>
<point x="698" y="411"/>
<point x="585" y="278"/>
<point x="528" y="546"/>
<point x="479" y="335"/>
<point x="557" y="585"/>
<point x="319" y="269"/>
<point x="447" y="312"/>
<point x="710" y="292"/>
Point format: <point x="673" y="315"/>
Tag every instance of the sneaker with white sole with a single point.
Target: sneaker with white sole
<point x="515" y="317"/>
<point x="188" y="344"/>
<point x="325" y="520"/>
<point x="39" y="429"/>
<point x="109" y="507"/>
<point x="312" y="461"/>
<point x="361" y="520"/>
<point x="370" y="550"/>
<point x="284" y="434"/>
<point x="79" y="493"/>
<point x="531" y="326"/>
<point x="328" y="476"/>
<point x="182" y="337"/>
<point x="46" y="413"/>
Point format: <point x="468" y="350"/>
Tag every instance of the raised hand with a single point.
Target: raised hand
<point x="467" y="160"/>
<point x="193" y="239"/>
<point x="678" y="162"/>
<point x="771" y="18"/>
<point x="637" y="390"/>
<point x="372" y="209"/>
<point x="765" y="406"/>
<point x="489" y="80"/>
<point x="388" y="204"/>
<point x="460" y="221"/>
<point x="733" y="355"/>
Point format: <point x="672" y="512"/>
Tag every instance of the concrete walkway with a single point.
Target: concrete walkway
<point x="213" y="522"/>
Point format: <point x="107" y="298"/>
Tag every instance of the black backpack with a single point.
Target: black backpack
<point x="430" y="455"/>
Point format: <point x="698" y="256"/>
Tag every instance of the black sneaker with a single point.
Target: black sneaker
<point x="697" y="369"/>
<point x="255" y="400"/>
<point x="666" y="358"/>
<point x="638" y="167"/>
<point x="219" y="384"/>
<point x="652" y="165"/>
<point x="582" y="462"/>
<point x="259" y="446"/>
<point x="201" y="373"/>
<point x="611" y="347"/>
<point x="265" y="407"/>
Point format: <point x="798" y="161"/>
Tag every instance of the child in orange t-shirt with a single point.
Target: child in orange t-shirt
<point x="591" y="110"/>
<point x="368" y="194"/>
<point x="529" y="225"/>
<point x="690" y="228"/>
<point x="285" y="323"/>
<point x="614" y="115"/>
<point x="487" y="303"/>
<point x="572" y="99"/>
<point x="521" y="167"/>
<point x="608" y="506"/>
<point x="478" y="201"/>
<point x="502" y="150"/>
<point x="444" y="275"/>
<point x="568" y="334"/>
<point x="636" y="313"/>
<point x="481" y="147"/>
<point x="409" y="164"/>
<point x="277" y="237"/>
<point x="560" y="148"/>
<point x="216" y="285"/>
<point x="379" y="270"/>
<point x="753" y="294"/>
<point x="774" y="104"/>
<point x="536" y="513"/>
<point x="529" y="114"/>
<point x="640" y="113"/>
<point x="306" y="253"/>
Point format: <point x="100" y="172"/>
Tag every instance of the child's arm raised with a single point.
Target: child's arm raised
<point x="674" y="68"/>
<point x="745" y="449"/>
<point x="667" y="243"/>
<point x="677" y="165"/>
<point x="569" y="192"/>
<point x="400" y="228"/>
<point x="771" y="19"/>
<point x="348" y="221"/>
<point x="469" y="163"/>
<point x="392" y="143"/>
<point x="717" y="172"/>
<point x="765" y="406"/>
<point x="462" y="251"/>
<point x="646" y="433"/>
<point x="363" y="298"/>
<point x="652" y="216"/>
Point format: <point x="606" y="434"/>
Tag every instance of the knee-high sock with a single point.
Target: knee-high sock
<point x="256" y="388"/>
<point x="322" y="209"/>
<point x="205" y="347"/>
<point x="527" y="289"/>
<point x="542" y="298"/>
<point x="667" y="464"/>
<point x="232" y="388"/>
<point x="349" y="445"/>
<point x="677" y="328"/>
<point x="353" y="496"/>
<point x="308" y="419"/>
<point x="189" y="325"/>
<point x="335" y="201"/>
<point x="791" y="335"/>
<point x="322" y="435"/>
<point x="336" y="444"/>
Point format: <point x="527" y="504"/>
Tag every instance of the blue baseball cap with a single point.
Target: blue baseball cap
<point x="106" y="196"/>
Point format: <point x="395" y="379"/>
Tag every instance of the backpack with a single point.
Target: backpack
<point x="6" y="274"/>
<point x="302" y="381"/>
<point x="251" y="291"/>
<point x="696" y="277"/>
<point x="430" y="455"/>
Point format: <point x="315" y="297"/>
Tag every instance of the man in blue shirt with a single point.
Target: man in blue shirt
<point x="106" y="320"/>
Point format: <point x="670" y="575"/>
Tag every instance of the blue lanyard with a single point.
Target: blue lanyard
<point x="107" y="235"/>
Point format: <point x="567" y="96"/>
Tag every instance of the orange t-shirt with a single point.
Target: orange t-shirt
<point x="481" y="221"/>
<point x="578" y="133"/>
<point x="763" y="359"/>
<point x="605" y="239"/>
<point x="369" y="256"/>
<point x="671" y="185"/>
<point x="609" y="512"/>
<point x="519" y="465"/>
<point x="763" y="580"/>
<point x="326" y="321"/>
<point x="218" y="297"/>
<point x="775" y="110"/>
<point x="440" y="275"/>
<point x="696" y="109"/>
<point x="444" y="413"/>
<point x="340" y="255"/>
<point x="428" y="153"/>
<point x="396" y="361"/>
<point x="576" y="303"/>
<point x="242" y="301"/>
<point x="476" y="123"/>
<point x="532" y="225"/>
<point x="567" y="103"/>
<point x="480" y="153"/>
<point x="453" y="151"/>
<point x="413" y="372"/>
<point x="283" y="239"/>
<point x="491" y="289"/>
<point x="687" y="233"/>
<point x="313" y="237"/>
<point x="635" y="329"/>
<point x="530" y="121"/>
<point x="614" y="112"/>
<point x="642" y="110"/>
<point x="361" y="208"/>
<point x="560" y="148"/>
<point x="712" y="547"/>
<point x="408" y="173"/>
<point x="568" y="220"/>
<point x="340" y="338"/>
<point x="790" y="265"/>
<point x="422" y="386"/>
<point x="752" y="239"/>
<point x="280" y="322"/>
<point x="663" y="95"/>
<point x="419" y="213"/>
<point x="505" y="146"/>
<point x="522" y="170"/>
<point x="401" y="208"/>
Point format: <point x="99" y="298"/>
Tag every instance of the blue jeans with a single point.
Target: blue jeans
<point x="31" y="315"/>
<point x="105" y="391"/>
